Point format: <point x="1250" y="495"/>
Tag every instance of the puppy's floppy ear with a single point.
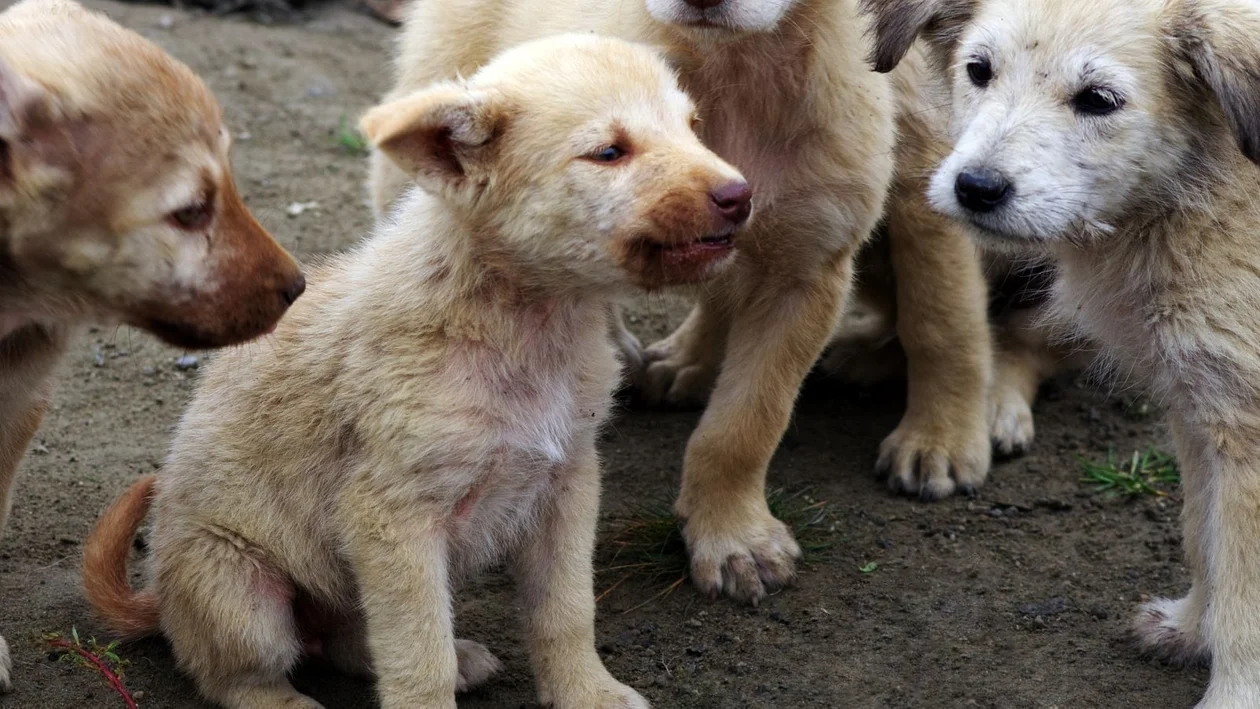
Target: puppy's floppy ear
<point x="1220" y="39"/>
<point x="439" y="135"/>
<point x="896" y="24"/>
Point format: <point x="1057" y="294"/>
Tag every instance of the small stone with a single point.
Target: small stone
<point x="1099" y="612"/>
<point x="39" y="448"/>
<point x="695" y="650"/>
<point x="297" y="208"/>
<point x="694" y="623"/>
<point x="149" y="371"/>
<point x="166" y="22"/>
<point x="187" y="362"/>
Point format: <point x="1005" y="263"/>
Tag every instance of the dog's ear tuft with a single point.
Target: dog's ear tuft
<point x="1220" y="39"/>
<point x="437" y="135"/>
<point x="896" y="24"/>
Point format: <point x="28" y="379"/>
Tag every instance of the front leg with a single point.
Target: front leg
<point x="556" y="582"/>
<point x="778" y="330"/>
<point x="398" y="553"/>
<point x="1226" y="545"/>
<point x="942" y="443"/>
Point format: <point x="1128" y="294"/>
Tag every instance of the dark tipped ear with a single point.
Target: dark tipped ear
<point x="438" y="135"/>
<point x="1220" y="39"/>
<point x="896" y="24"/>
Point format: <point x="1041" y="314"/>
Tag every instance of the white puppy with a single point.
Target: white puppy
<point x="1119" y="137"/>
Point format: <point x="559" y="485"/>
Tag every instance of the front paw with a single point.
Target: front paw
<point x="934" y="459"/>
<point x="606" y="693"/>
<point x="1172" y="631"/>
<point x="677" y="377"/>
<point x="1239" y="693"/>
<point x="476" y="664"/>
<point x="1010" y="422"/>
<point x="744" y="556"/>
<point x="6" y="668"/>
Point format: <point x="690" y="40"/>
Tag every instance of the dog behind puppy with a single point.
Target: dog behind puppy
<point x="1120" y="138"/>
<point x="432" y="404"/>
<point x="116" y="205"/>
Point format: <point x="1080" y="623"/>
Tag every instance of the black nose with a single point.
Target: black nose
<point x="295" y="290"/>
<point x="704" y="4"/>
<point x="733" y="201"/>
<point x="981" y="190"/>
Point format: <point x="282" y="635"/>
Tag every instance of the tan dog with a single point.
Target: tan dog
<point x="432" y="404"/>
<point x="116" y="205"/>
<point x="784" y="95"/>
<point x="1120" y="138"/>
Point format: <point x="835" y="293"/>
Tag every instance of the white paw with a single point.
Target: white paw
<point x="1171" y="630"/>
<point x="1011" y="423"/>
<point x="605" y="694"/>
<point x="476" y="664"/>
<point x="6" y="668"/>
<point x="744" y="559"/>
<point x="932" y="460"/>
<point x="1239" y="693"/>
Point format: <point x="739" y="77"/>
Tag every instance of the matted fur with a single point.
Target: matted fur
<point x="106" y="140"/>
<point x="1149" y="209"/>
<point x="432" y="404"/>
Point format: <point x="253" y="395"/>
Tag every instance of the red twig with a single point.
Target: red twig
<point x="101" y="667"/>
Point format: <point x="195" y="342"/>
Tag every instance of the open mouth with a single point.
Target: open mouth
<point x="689" y="258"/>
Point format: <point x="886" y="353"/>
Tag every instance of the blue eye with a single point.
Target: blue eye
<point x="611" y="153"/>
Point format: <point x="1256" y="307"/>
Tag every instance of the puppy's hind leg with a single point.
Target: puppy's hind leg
<point x="229" y="617"/>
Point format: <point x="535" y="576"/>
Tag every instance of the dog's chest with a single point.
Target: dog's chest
<point x="741" y="121"/>
<point x="535" y="418"/>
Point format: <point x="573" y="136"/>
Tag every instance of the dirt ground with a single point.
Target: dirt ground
<point x="1019" y="598"/>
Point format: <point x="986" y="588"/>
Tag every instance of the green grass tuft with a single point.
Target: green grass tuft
<point x="647" y="542"/>
<point x="1151" y="472"/>
<point x="349" y="139"/>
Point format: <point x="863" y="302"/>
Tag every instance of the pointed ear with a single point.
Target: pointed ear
<point x="896" y="24"/>
<point x="1220" y="39"/>
<point x="440" y="135"/>
<point x="22" y="103"/>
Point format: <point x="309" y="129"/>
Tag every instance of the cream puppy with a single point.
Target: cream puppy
<point x="784" y="94"/>
<point x="431" y="406"/>
<point x="1119" y="138"/>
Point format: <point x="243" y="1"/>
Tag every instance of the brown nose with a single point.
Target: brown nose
<point x="733" y="201"/>
<point x="704" y="4"/>
<point x="295" y="289"/>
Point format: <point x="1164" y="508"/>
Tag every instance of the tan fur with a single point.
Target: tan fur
<point x="783" y="94"/>
<point x="103" y="138"/>
<point x="432" y="404"/>
<point x="1148" y="207"/>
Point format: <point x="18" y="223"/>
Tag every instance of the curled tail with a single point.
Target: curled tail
<point x="127" y="612"/>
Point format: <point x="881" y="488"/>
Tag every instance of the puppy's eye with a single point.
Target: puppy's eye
<point x="980" y="71"/>
<point x="1097" y="101"/>
<point x="610" y="154"/>
<point x="194" y="217"/>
